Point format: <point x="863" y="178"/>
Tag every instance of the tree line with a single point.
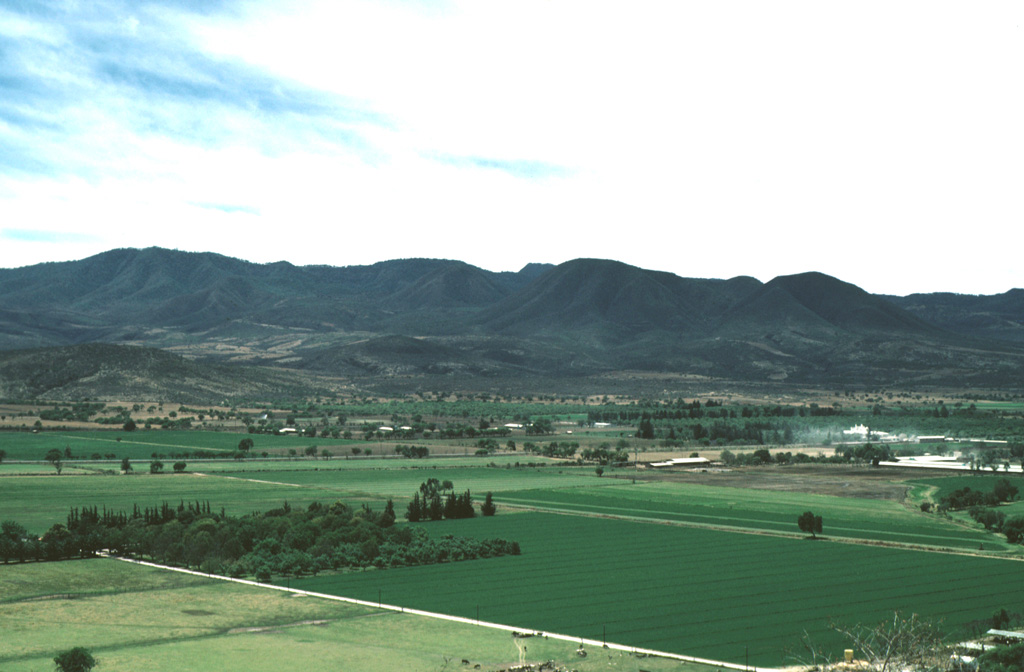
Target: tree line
<point x="437" y="500"/>
<point x="283" y="541"/>
<point x="980" y="506"/>
<point x="964" y="498"/>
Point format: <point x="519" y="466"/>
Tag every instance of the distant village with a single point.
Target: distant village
<point x="955" y="460"/>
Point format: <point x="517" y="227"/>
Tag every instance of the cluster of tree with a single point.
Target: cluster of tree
<point x="753" y="432"/>
<point x="645" y="429"/>
<point x="459" y="430"/>
<point x="80" y="412"/>
<point x="149" y="423"/>
<point x="996" y="521"/>
<point x="486" y="446"/>
<point x="965" y="498"/>
<point x="68" y="454"/>
<point x="603" y="455"/>
<point x="432" y="508"/>
<point x="992" y="520"/>
<point x="866" y="453"/>
<point x="978" y="505"/>
<point x="439" y="501"/>
<point x="282" y="541"/>
<point x="562" y="449"/>
<point x="540" y="426"/>
<point x="756" y="458"/>
<point x="856" y="454"/>
<point x="412" y="451"/>
<point x="678" y="423"/>
<point x="990" y="458"/>
<point x="710" y="409"/>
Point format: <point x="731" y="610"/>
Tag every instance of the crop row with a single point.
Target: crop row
<point x="691" y="591"/>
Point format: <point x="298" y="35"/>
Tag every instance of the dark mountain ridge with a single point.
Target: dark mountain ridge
<point x="412" y="322"/>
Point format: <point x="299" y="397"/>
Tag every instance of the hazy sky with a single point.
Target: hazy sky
<point x="879" y="142"/>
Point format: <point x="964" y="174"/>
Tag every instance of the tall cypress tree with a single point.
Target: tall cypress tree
<point x="415" y="512"/>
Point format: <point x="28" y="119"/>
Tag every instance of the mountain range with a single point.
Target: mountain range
<point x="584" y="325"/>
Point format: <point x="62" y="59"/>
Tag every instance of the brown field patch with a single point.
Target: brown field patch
<point x="838" y="480"/>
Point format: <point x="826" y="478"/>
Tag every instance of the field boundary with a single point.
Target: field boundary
<point x="456" y="619"/>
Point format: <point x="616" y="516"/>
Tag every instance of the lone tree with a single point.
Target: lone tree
<point x="56" y="458"/>
<point x="77" y="659"/>
<point x="488" y="508"/>
<point x="126" y="465"/>
<point x="245" y="445"/>
<point x="809" y="522"/>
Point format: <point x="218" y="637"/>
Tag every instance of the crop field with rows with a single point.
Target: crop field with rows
<point x="882" y="520"/>
<point x="710" y="593"/>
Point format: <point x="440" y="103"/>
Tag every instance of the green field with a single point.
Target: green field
<point x="761" y="510"/>
<point x="700" y="592"/>
<point x="709" y="571"/>
<point x="938" y="487"/>
<point x="403" y="482"/>
<point x="141" y="444"/>
<point x="136" y="618"/>
<point x="39" y="501"/>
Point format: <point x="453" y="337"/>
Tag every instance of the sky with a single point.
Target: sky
<point x="879" y="142"/>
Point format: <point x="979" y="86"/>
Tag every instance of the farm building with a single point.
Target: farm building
<point x="691" y="462"/>
<point x="1006" y="636"/>
<point x="865" y="433"/>
<point x="955" y="462"/>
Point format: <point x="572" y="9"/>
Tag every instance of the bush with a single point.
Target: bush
<point x="1014" y="529"/>
<point x="77" y="659"/>
<point x="1003" y="658"/>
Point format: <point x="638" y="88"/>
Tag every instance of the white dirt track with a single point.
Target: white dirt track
<point x="458" y="619"/>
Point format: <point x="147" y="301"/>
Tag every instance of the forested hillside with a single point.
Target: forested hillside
<point x="410" y="323"/>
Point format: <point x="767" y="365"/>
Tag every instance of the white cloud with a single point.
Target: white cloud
<point x="877" y="142"/>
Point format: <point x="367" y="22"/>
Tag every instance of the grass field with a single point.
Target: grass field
<point x="136" y="618"/>
<point x="39" y="501"/>
<point x="681" y="567"/>
<point x="882" y="520"/>
<point x="402" y="483"/>
<point x="938" y="487"/>
<point x="701" y="592"/>
<point x="141" y="444"/>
